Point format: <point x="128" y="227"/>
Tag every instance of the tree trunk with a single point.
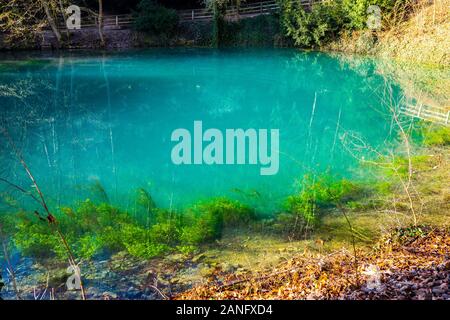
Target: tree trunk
<point x="51" y="21"/>
<point x="100" y="23"/>
<point x="218" y="23"/>
<point x="64" y="16"/>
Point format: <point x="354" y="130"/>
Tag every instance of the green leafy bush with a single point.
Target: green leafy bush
<point x="356" y="11"/>
<point x="155" y="19"/>
<point x="327" y="20"/>
<point x="314" y="28"/>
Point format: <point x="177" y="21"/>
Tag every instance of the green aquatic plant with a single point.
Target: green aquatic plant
<point x="98" y="192"/>
<point x="137" y="241"/>
<point x="202" y="223"/>
<point x="33" y="239"/>
<point x="88" y="246"/>
<point x="234" y="213"/>
<point x="317" y="194"/>
<point x="145" y="200"/>
<point x="5" y="242"/>
<point x="391" y="169"/>
<point x="90" y="229"/>
<point x="205" y="221"/>
<point x="95" y="228"/>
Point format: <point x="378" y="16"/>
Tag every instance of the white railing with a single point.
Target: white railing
<point x="434" y="114"/>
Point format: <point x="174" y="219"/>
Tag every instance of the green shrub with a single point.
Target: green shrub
<point x="327" y="20"/>
<point x="311" y="29"/>
<point x="392" y="169"/>
<point x="356" y="11"/>
<point x="155" y="19"/>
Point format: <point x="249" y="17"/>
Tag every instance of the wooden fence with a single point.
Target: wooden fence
<point x="251" y="9"/>
<point x="89" y="20"/>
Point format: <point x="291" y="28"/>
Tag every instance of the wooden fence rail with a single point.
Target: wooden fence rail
<point x="202" y="14"/>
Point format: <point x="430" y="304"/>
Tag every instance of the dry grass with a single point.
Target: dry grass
<point x="423" y="38"/>
<point x="420" y="34"/>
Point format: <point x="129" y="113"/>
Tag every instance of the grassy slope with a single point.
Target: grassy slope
<point x="422" y="38"/>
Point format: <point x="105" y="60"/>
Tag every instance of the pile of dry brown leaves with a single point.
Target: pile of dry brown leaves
<point x="410" y="263"/>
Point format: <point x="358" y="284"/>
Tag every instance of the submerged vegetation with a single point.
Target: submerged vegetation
<point x="98" y="227"/>
<point x="93" y="228"/>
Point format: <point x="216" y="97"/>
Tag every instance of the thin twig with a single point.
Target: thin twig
<point x="159" y="292"/>
<point x="52" y="220"/>
<point x="10" y="268"/>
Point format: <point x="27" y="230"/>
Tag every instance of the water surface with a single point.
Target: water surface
<point x="86" y="119"/>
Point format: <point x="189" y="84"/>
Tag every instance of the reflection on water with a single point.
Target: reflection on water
<point x="105" y="121"/>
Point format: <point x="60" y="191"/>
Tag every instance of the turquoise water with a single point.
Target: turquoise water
<point x="84" y="119"/>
